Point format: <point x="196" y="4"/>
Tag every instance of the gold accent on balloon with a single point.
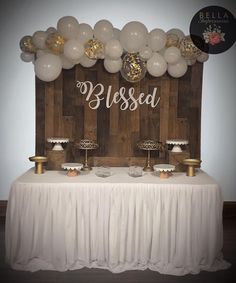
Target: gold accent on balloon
<point x="133" y="68"/>
<point x="187" y="48"/>
<point x="94" y="49"/>
<point x="55" y="43"/>
<point x="26" y="44"/>
<point x="172" y="40"/>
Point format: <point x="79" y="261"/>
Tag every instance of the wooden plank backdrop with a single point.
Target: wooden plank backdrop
<point x="62" y="111"/>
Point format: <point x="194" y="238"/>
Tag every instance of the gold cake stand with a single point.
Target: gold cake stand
<point x="191" y="163"/>
<point x="86" y="144"/>
<point x="39" y="160"/>
<point x="149" y="145"/>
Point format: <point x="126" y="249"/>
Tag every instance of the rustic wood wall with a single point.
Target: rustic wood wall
<point x="61" y="111"/>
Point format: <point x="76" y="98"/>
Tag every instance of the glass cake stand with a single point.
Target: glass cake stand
<point x="72" y="168"/>
<point x="177" y="144"/>
<point x="57" y="142"/>
<point x="164" y="169"/>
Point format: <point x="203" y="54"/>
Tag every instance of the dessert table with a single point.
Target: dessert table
<point x="173" y="226"/>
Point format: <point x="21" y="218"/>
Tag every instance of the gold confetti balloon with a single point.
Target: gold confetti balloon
<point x="94" y="49"/>
<point x="187" y="48"/>
<point x="172" y="40"/>
<point x="55" y="43"/>
<point x="133" y="68"/>
<point x="26" y="44"/>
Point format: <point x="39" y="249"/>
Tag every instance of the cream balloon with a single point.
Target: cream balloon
<point x="179" y="69"/>
<point x="68" y="27"/>
<point x="156" y="65"/>
<point x="113" y="49"/>
<point x="103" y="31"/>
<point x="73" y="50"/>
<point x="39" y="39"/>
<point x="203" y="57"/>
<point x="87" y="62"/>
<point x="85" y="33"/>
<point x="133" y="37"/>
<point x="51" y="30"/>
<point x="145" y="53"/>
<point x="177" y="32"/>
<point x="116" y="33"/>
<point x="113" y="66"/>
<point x="48" y="67"/>
<point x="27" y="57"/>
<point x="172" y="55"/>
<point x="66" y="64"/>
<point x="157" y="39"/>
<point x="40" y="52"/>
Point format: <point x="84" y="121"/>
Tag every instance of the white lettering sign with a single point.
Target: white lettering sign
<point x="126" y="98"/>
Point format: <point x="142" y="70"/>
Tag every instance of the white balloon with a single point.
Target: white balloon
<point x="73" y="49"/>
<point x="113" y="49"/>
<point x="116" y="33"/>
<point x="203" y="57"/>
<point x="156" y="65"/>
<point x="179" y="69"/>
<point x="66" y="64"/>
<point x="48" y="67"/>
<point x="133" y="36"/>
<point x="50" y="30"/>
<point x="113" y="66"/>
<point x="162" y="51"/>
<point x="85" y="33"/>
<point x="27" y="57"/>
<point x="177" y="32"/>
<point x="157" y="39"/>
<point x="39" y="38"/>
<point x="87" y="62"/>
<point x="145" y="53"/>
<point x="68" y="27"/>
<point x="172" y="55"/>
<point x="40" y="52"/>
<point x="103" y="30"/>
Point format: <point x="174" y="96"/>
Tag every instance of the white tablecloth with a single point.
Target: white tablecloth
<point x="173" y="226"/>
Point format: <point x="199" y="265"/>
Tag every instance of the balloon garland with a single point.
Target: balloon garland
<point x="132" y="51"/>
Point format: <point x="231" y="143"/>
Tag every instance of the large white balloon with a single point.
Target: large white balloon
<point x="157" y="39"/>
<point x="179" y="69"/>
<point x="113" y="49"/>
<point x="133" y="36"/>
<point x="103" y="30"/>
<point x="66" y="64"/>
<point x="112" y="66"/>
<point x="87" y="62"/>
<point x="73" y="49"/>
<point x="172" y="55"/>
<point x="27" y="57"/>
<point x="48" y="67"/>
<point x="177" y="32"/>
<point x="68" y="27"/>
<point x="156" y="65"/>
<point x="203" y="57"/>
<point x="39" y="39"/>
<point x="85" y="33"/>
<point x="145" y="53"/>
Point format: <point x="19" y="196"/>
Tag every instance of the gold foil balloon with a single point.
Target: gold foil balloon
<point x="94" y="49"/>
<point x="133" y="68"/>
<point x="187" y="48"/>
<point x="26" y="44"/>
<point x="172" y="40"/>
<point x="55" y="43"/>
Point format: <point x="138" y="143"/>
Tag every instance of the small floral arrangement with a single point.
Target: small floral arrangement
<point x="213" y="35"/>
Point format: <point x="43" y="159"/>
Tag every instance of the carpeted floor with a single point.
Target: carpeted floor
<point x="86" y="275"/>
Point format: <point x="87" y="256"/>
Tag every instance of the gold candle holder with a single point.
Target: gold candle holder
<point x="87" y="145"/>
<point x="149" y="145"/>
<point x="191" y="163"/>
<point x="39" y="160"/>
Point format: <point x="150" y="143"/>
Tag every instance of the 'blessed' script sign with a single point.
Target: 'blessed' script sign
<point x="96" y="93"/>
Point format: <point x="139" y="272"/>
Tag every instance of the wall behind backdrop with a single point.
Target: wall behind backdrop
<point x="17" y="81"/>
